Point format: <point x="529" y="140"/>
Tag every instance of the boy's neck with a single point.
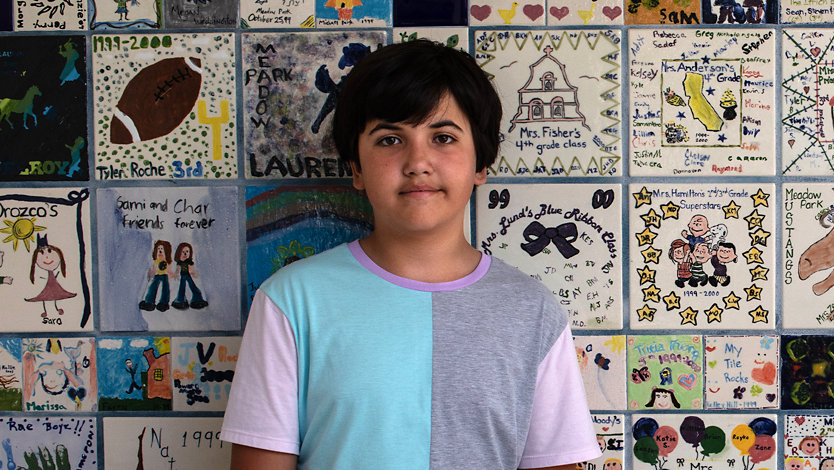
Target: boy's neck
<point x="421" y="259"/>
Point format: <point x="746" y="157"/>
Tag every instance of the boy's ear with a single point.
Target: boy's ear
<point x="480" y="177"/>
<point x="358" y="181"/>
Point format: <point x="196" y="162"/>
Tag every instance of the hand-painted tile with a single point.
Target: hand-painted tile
<point x="602" y="361"/>
<point x="291" y="82"/>
<point x="134" y="373"/>
<point x="507" y="12"/>
<point x="702" y="102"/>
<point x="807" y="372"/>
<point x="203" y="369"/>
<point x="164" y="106"/>
<point x="451" y="36"/>
<point x="665" y="12"/>
<point x="35" y="15"/>
<point x="288" y="223"/>
<point x="666" y="372"/>
<point x="808" y="217"/>
<point x="277" y="13"/>
<point x="121" y="14"/>
<point x="45" y="270"/>
<point x="610" y="430"/>
<point x="567" y="236"/>
<point x="43" y="120"/>
<point x="703" y="256"/>
<point x="741" y="372"/>
<point x="747" y="12"/>
<point x="353" y="13"/>
<point x="154" y="442"/>
<point x="59" y="374"/>
<point x="808" y="106"/>
<point x="49" y="442"/>
<point x="726" y="441"/>
<point x="198" y="14"/>
<point x="584" y="12"/>
<point x="560" y="92"/>
<point x="168" y="258"/>
<point x="433" y="13"/>
<point x="11" y="375"/>
<point x="807" y="442"/>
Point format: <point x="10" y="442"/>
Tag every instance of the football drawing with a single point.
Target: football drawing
<point x="156" y="100"/>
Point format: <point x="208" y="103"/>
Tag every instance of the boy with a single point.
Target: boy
<point x="409" y="349"/>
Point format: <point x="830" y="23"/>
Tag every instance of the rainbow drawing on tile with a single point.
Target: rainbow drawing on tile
<point x="288" y="223"/>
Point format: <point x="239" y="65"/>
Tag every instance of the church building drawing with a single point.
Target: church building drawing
<point x="547" y="96"/>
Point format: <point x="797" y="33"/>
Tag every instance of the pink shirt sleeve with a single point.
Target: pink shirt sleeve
<point x="561" y="430"/>
<point x="263" y="403"/>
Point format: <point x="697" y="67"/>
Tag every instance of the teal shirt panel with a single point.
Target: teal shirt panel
<point x="364" y="363"/>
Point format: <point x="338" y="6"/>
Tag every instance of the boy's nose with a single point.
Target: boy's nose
<point x="418" y="160"/>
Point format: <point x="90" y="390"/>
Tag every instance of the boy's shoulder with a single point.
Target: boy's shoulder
<point x="513" y="278"/>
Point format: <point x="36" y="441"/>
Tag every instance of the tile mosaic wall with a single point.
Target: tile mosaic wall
<point x="666" y="170"/>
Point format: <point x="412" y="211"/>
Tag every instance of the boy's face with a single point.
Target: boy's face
<point x="419" y="178"/>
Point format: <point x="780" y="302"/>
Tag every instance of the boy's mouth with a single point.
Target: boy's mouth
<point x="419" y="190"/>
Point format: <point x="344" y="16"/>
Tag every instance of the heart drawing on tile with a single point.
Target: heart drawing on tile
<point x="765" y="374"/>
<point x="806" y="89"/>
<point x="770" y="397"/>
<point x="712" y="364"/>
<point x="687" y="381"/>
<point x="605" y="428"/>
<point x="612" y="13"/>
<point x="816" y="51"/>
<point x="791" y="142"/>
<point x="533" y="11"/>
<point x="559" y="13"/>
<point x="480" y="12"/>
<point x="799" y="420"/>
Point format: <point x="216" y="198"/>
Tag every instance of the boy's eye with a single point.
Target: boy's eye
<point x="388" y="140"/>
<point x="445" y="139"/>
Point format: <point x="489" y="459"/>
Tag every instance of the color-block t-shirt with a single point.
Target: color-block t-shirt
<point x="350" y="366"/>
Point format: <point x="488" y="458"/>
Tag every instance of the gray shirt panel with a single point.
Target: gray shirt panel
<point x="489" y="339"/>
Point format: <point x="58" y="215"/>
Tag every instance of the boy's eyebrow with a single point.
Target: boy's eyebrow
<point x="389" y="126"/>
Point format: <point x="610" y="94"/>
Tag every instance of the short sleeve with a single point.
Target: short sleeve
<point x="263" y="404"/>
<point x="561" y="431"/>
